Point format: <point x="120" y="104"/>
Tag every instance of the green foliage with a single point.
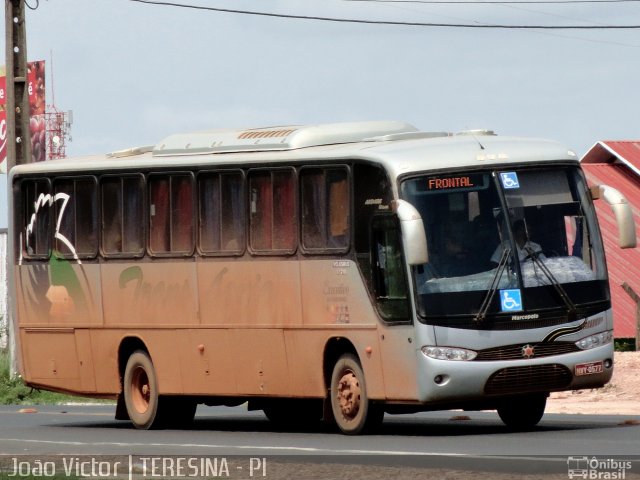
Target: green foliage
<point x="625" y="344"/>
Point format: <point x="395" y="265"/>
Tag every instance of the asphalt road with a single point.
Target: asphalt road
<point x="410" y="446"/>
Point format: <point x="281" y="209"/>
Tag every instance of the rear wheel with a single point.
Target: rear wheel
<point x="523" y="413"/>
<point x="352" y="410"/>
<point x="145" y="407"/>
<point x="141" y="392"/>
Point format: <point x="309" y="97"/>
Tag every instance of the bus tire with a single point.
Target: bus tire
<point x="523" y="413"/>
<point x="352" y="410"/>
<point x="141" y="391"/>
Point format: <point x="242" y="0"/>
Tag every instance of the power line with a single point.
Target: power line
<point x="34" y="7"/>
<point x="393" y="23"/>
<point x="492" y="2"/>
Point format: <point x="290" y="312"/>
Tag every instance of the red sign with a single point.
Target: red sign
<point x="36" y="91"/>
<point x="3" y="90"/>
<point x="3" y="140"/>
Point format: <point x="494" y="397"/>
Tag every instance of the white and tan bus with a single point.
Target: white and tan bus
<point x="331" y="272"/>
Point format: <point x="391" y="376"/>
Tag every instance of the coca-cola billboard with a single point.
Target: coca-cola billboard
<point x="3" y="121"/>
<point x="37" y="104"/>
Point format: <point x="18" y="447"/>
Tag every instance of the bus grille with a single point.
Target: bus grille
<point x="514" y="352"/>
<point x="533" y="378"/>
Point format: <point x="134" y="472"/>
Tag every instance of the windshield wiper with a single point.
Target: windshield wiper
<point x="571" y="308"/>
<point x="495" y="282"/>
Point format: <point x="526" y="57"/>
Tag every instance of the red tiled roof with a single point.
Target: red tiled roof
<point x="626" y="152"/>
<point x="604" y="165"/>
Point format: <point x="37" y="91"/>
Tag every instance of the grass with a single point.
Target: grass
<point x="15" y="392"/>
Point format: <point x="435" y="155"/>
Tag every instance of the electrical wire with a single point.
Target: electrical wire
<point x="389" y="22"/>
<point x="30" y="7"/>
<point x="492" y="2"/>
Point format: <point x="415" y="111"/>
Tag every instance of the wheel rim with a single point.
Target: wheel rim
<point x="349" y="394"/>
<point x="140" y="389"/>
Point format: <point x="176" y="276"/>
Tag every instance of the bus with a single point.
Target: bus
<point x="330" y="273"/>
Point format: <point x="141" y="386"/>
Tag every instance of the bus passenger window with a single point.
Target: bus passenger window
<point x="261" y="211"/>
<point x="338" y="210"/>
<point x="171" y="214"/>
<point x="36" y="219"/>
<point x="76" y="213"/>
<point x="221" y="212"/>
<point x="284" y="215"/>
<point x="209" y="212"/>
<point x="122" y="216"/>
<point x="181" y="214"/>
<point x="159" y="215"/>
<point x="111" y="216"/>
<point x="325" y="208"/>
<point x="273" y="224"/>
<point x="313" y="209"/>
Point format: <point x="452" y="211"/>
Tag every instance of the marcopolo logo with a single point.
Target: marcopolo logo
<point x="597" y="468"/>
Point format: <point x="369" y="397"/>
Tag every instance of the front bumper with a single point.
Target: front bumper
<point x="443" y="381"/>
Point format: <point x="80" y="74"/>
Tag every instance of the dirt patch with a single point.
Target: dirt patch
<point x="620" y="396"/>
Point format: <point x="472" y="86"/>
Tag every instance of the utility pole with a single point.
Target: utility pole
<point x="18" y="134"/>
<point x="636" y="298"/>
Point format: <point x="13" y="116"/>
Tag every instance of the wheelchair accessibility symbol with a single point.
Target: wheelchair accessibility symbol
<point x="509" y="180"/>
<point x="511" y="300"/>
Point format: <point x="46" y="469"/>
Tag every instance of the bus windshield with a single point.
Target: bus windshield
<point x="531" y="230"/>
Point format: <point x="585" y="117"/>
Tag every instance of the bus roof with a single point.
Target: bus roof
<point x="399" y="147"/>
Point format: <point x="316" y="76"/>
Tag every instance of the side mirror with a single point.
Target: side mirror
<point x="413" y="234"/>
<point x="623" y="213"/>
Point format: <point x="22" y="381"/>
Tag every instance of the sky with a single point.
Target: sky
<point x="133" y="73"/>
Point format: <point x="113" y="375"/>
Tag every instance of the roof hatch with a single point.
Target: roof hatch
<point x="278" y="138"/>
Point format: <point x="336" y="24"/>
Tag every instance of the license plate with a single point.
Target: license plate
<point x="589" y="368"/>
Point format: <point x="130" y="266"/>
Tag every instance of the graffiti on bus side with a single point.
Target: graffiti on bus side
<point x="46" y="200"/>
<point x="257" y="296"/>
<point x="54" y="290"/>
<point x="154" y="296"/>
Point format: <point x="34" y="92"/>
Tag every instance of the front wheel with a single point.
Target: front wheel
<point x="351" y="407"/>
<point x="522" y="413"/>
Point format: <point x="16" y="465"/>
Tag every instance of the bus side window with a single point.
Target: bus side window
<point x="171" y="218"/>
<point x="390" y="280"/>
<point x="76" y="213"/>
<point x="122" y="216"/>
<point x="221" y="213"/>
<point x="36" y="221"/>
<point x="325" y="208"/>
<point x="273" y="218"/>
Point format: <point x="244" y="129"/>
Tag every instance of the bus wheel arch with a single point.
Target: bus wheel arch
<point x="348" y="404"/>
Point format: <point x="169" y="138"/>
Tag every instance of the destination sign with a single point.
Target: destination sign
<point x="457" y="182"/>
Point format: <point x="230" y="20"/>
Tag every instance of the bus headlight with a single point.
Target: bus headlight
<point x="449" y="353"/>
<point x="594" y="341"/>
